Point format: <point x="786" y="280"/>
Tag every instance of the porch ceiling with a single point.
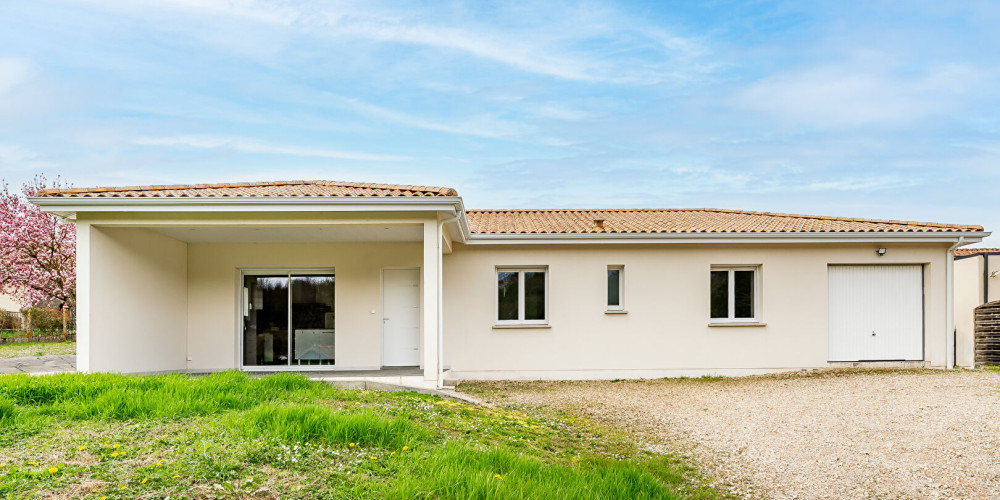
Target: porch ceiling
<point x="324" y="234"/>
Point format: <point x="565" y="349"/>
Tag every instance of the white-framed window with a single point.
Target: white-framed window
<point x="616" y="288"/>
<point x="735" y="294"/>
<point x="522" y="295"/>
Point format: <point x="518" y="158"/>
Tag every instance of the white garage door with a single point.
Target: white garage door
<point x="876" y="313"/>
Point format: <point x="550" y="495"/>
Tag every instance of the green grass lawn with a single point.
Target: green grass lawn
<point x="21" y="350"/>
<point x="230" y="435"/>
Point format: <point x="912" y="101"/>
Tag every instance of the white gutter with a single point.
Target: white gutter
<point x="97" y="203"/>
<point x="440" y="297"/>
<point x="799" y="237"/>
<point x="950" y="322"/>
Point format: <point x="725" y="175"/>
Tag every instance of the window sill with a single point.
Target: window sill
<point x="520" y="327"/>
<point x="615" y="311"/>
<point x="738" y="323"/>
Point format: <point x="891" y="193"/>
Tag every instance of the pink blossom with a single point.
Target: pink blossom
<point x="37" y="250"/>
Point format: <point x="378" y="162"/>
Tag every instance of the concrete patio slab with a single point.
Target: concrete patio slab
<point x="39" y="365"/>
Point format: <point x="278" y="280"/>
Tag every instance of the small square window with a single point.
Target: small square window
<point x="522" y="296"/>
<point x="734" y="294"/>
<point x="616" y="288"/>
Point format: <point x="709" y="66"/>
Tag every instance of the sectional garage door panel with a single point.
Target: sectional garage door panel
<point x="876" y="313"/>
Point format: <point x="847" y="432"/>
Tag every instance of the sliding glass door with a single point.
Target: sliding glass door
<point x="288" y="318"/>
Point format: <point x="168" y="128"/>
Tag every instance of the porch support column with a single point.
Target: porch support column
<point x="82" y="297"/>
<point x="429" y="309"/>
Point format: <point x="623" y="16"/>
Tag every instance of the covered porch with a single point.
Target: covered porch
<point x="323" y="285"/>
<point x="324" y="297"/>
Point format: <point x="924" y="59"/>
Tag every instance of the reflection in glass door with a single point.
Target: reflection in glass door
<point x="288" y="325"/>
<point x="265" y="339"/>
<point x="313" y="320"/>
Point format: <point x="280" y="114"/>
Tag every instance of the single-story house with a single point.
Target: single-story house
<point x="977" y="281"/>
<point x="316" y="275"/>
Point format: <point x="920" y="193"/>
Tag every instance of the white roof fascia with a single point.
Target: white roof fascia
<point x="826" y="237"/>
<point x="67" y="208"/>
<point x="247" y="204"/>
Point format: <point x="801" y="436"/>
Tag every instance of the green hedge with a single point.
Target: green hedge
<point x="44" y="320"/>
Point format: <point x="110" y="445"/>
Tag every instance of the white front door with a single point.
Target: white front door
<point x="401" y="317"/>
<point x="876" y="313"/>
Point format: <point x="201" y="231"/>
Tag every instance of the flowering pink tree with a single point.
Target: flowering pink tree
<point x="37" y="251"/>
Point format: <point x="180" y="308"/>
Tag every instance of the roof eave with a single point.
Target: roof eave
<point x="64" y="206"/>
<point x="730" y="237"/>
<point x="977" y="254"/>
<point x="69" y="207"/>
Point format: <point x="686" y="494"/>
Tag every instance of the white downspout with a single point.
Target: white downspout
<point x="950" y="348"/>
<point x="440" y="298"/>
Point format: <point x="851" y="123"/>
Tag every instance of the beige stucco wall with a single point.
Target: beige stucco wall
<point x="667" y="298"/>
<point x="135" y="293"/>
<point x="7" y="303"/>
<point x="214" y="283"/>
<point x="994" y="281"/>
<point x="969" y="294"/>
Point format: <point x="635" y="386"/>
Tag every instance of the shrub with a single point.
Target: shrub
<point x="10" y="320"/>
<point x="48" y="320"/>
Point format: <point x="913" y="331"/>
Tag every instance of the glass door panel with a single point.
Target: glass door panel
<point x="265" y="320"/>
<point x="313" y="320"/>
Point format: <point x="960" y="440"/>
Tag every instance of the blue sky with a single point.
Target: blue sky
<point x="869" y="109"/>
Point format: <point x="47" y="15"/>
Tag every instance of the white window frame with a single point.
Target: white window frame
<point x="621" y="288"/>
<point x="732" y="295"/>
<point x="520" y="295"/>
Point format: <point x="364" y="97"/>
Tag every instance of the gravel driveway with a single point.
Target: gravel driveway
<point x="838" y="434"/>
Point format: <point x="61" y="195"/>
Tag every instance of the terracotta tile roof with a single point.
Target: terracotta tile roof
<point x="252" y="189"/>
<point x="697" y="220"/>
<point x="961" y="252"/>
<point x="555" y="221"/>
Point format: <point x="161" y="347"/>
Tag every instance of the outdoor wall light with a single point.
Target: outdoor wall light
<point x="880" y="252"/>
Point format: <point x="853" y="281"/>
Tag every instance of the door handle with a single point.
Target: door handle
<point x="873" y="333"/>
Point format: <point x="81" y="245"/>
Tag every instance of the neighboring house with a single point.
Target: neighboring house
<point x="977" y="281"/>
<point x="343" y="276"/>
<point x="7" y="303"/>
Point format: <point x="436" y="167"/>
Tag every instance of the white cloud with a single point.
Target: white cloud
<point x="856" y="94"/>
<point x="246" y="145"/>
<point x="15" y="157"/>
<point x="253" y="10"/>
<point x="21" y="91"/>
<point x="544" y="46"/>
<point x="508" y="52"/>
<point x="479" y="126"/>
<point x="12" y="153"/>
<point x="14" y="72"/>
<point x="561" y="113"/>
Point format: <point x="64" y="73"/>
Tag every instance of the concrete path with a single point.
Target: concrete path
<point x="60" y="363"/>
